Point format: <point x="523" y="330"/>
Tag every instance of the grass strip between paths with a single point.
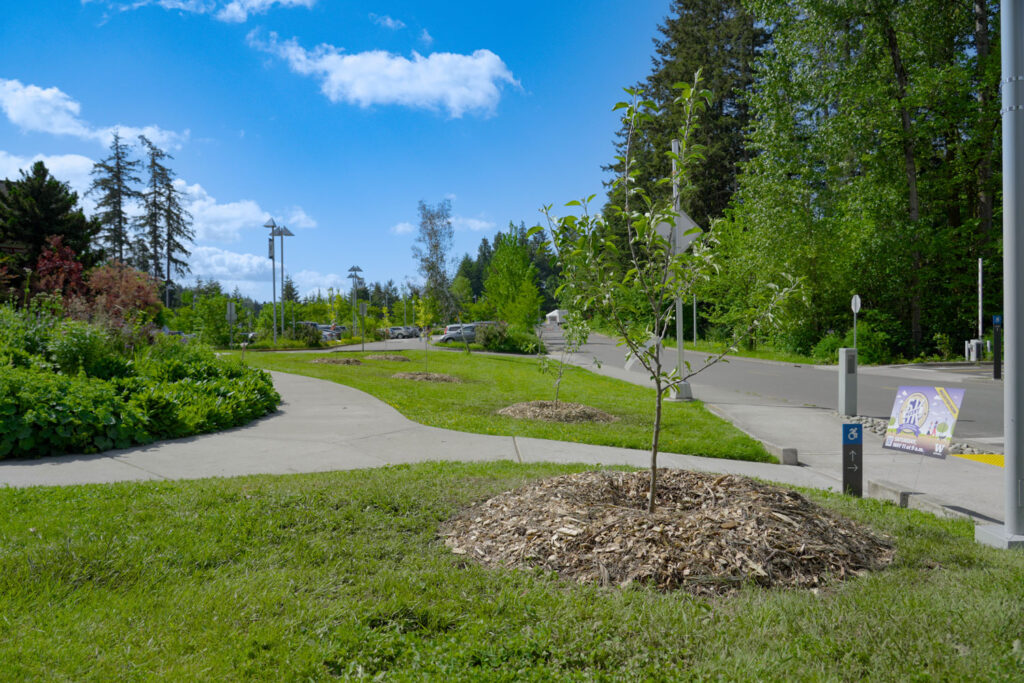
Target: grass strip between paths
<point x="491" y="382"/>
<point x="341" y="575"/>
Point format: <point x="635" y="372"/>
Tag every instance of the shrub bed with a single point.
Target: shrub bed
<point x="73" y="387"/>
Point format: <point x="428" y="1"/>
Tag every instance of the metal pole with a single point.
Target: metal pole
<point x="981" y="328"/>
<point x="281" y="234"/>
<point x="1012" y="33"/>
<point x="683" y="392"/>
<point x="694" y="322"/>
<point x="273" y="285"/>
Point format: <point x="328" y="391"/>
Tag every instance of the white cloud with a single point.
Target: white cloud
<point x="310" y="281"/>
<point x="220" y="264"/>
<point x="216" y="222"/>
<point x="387" y="22"/>
<point x="297" y="218"/>
<point x="50" y="110"/>
<point x="457" y="83"/>
<point x="426" y="38"/>
<point x="235" y="11"/>
<point x="403" y="228"/>
<point x="73" y="169"/>
<point x="473" y="224"/>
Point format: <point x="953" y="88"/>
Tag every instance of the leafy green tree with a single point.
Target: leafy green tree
<point x="433" y="242"/>
<point x="114" y="180"/>
<point x="511" y="282"/>
<point x="38" y="206"/>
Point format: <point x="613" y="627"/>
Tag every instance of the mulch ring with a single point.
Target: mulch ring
<point x="337" y="361"/>
<point x="387" y="356"/>
<point x="709" y="535"/>
<point x="427" y="377"/>
<point x="550" y="411"/>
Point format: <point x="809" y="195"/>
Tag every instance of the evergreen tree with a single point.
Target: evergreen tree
<point x="721" y="39"/>
<point x="113" y="180"/>
<point x="165" y="226"/>
<point x="289" y="292"/>
<point x="38" y="206"/>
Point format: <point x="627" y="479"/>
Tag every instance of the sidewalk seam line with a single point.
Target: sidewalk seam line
<point x="130" y="464"/>
<point x="516" y="447"/>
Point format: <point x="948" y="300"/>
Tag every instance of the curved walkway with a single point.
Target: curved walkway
<point x="323" y="426"/>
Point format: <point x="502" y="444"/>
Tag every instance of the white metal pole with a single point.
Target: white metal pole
<point x="1011" y="534"/>
<point x="981" y="324"/>
<point x="683" y="390"/>
<point x="281" y="232"/>
<point x="273" y="285"/>
<point x="694" y="322"/>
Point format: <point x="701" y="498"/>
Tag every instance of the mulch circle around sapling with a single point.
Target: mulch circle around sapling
<point x="337" y="361"/>
<point x="387" y="356"/>
<point x="562" y="411"/>
<point x="709" y="535"/>
<point x="427" y="377"/>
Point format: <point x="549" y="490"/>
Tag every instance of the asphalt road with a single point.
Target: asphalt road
<point x="770" y="382"/>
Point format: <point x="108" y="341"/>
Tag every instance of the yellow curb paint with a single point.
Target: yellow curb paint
<point x="987" y="458"/>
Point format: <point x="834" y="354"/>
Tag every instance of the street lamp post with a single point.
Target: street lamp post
<point x="283" y="232"/>
<point x="273" y="275"/>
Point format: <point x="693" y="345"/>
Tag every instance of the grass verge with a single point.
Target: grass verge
<point x="492" y="382"/>
<point x="340" y="575"/>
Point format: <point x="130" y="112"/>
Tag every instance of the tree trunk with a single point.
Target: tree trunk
<point x="983" y="46"/>
<point x="654" y="446"/>
<point x="910" y="168"/>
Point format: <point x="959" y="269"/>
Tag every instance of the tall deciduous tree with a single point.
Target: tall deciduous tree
<point x="113" y="181"/>
<point x="511" y="284"/>
<point x="433" y="242"/>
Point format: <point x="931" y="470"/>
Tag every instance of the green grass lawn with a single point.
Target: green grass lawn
<point x="492" y="382"/>
<point x="341" y="575"/>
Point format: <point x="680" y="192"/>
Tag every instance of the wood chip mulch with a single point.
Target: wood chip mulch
<point x="549" y="411"/>
<point x="387" y="356"/>
<point x="427" y="377"/>
<point x="337" y="361"/>
<point x="710" y="534"/>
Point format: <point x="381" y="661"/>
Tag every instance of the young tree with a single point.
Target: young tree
<point x="511" y="284"/>
<point x="113" y="181"/>
<point x="638" y="300"/>
<point x="288" y="290"/>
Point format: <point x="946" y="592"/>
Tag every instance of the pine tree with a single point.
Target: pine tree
<point x="722" y="40"/>
<point x="113" y="180"/>
<point x="165" y="226"/>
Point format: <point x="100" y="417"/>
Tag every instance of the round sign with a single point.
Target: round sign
<point x="855" y="303"/>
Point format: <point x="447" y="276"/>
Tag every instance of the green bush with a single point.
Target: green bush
<point x="504" y="338"/>
<point x="77" y="347"/>
<point x="827" y="349"/>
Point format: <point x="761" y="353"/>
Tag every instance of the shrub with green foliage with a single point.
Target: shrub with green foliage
<point x="68" y="386"/>
<point x="505" y="338"/>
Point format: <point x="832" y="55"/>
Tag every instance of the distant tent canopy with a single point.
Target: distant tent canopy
<point x="556" y="316"/>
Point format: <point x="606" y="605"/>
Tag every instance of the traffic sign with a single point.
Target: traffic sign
<point x="855" y="303"/>
<point x="997" y="320"/>
<point x="853" y="459"/>
<point x="685" y="229"/>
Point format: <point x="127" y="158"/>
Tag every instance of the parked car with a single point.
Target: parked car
<point x="397" y="332"/>
<point x="411" y="331"/>
<point x="464" y="333"/>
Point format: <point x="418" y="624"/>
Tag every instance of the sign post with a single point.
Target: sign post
<point x="853" y="460"/>
<point x="362" y="324"/>
<point x="997" y="347"/>
<point x="232" y="317"/>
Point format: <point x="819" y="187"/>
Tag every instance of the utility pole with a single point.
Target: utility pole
<point x="1011" y="533"/>
<point x="273" y="275"/>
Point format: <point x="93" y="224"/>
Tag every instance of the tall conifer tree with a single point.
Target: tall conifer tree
<point x="113" y="180"/>
<point x="165" y="226"/>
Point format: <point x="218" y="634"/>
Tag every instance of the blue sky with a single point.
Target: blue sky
<point x="333" y="117"/>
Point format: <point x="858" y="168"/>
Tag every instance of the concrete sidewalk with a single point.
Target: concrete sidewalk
<point x="324" y="426"/>
<point x="951" y="486"/>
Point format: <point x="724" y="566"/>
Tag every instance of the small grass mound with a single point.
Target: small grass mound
<point x="388" y="356"/>
<point x="427" y="377"/>
<point x="337" y="361"/>
<point x="560" y="411"/>
<point x="709" y="535"/>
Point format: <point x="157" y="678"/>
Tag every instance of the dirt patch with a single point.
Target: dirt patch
<point x="387" y="356"/>
<point x="709" y="535"/>
<point x="337" y="361"/>
<point x="427" y="377"/>
<point x="549" y="411"/>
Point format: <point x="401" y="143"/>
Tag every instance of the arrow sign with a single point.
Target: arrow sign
<point x="683" y="225"/>
<point x="853" y="459"/>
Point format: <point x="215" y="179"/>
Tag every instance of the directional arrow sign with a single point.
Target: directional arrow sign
<point x="683" y="225"/>
<point x="853" y="459"/>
